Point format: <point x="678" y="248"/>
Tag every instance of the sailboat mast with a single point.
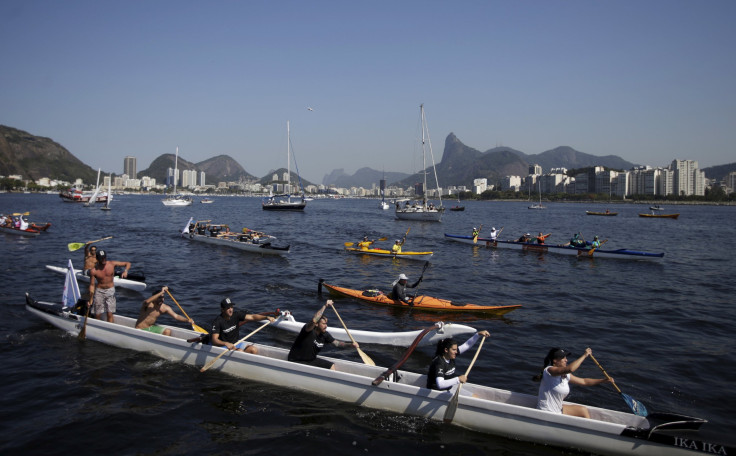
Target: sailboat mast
<point x="288" y="159"/>
<point x="176" y="170"/>
<point x="424" y="154"/>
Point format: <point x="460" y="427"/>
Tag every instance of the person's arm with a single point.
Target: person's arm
<point x="443" y="383"/>
<point x="123" y="263"/>
<point x="315" y="319"/>
<point x="571" y="367"/>
<point x="258" y="317"/>
<point x="169" y="311"/>
<point x="588" y="381"/>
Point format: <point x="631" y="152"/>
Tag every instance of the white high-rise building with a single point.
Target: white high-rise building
<point x="687" y="179"/>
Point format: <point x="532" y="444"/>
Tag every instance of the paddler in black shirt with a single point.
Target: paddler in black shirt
<point x="226" y="330"/>
<point x="399" y="291"/>
<point x="312" y="338"/>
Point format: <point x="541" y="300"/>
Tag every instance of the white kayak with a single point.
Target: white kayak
<point x="287" y="322"/>
<point x="119" y="281"/>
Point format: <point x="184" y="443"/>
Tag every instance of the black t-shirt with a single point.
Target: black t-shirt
<point x="440" y="368"/>
<point x="307" y="345"/>
<point x="228" y="329"/>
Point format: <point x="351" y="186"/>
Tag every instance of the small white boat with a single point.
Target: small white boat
<point x="175" y="199"/>
<point x="106" y="207"/>
<point x="287" y="322"/>
<point x="479" y="408"/>
<point x="118" y="281"/>
<point x="206" y="201"/>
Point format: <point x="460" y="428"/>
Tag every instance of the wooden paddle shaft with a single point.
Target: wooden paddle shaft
<point x="467" y="372"/>
<point x="604" y="372"/>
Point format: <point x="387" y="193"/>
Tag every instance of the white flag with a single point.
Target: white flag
<point x="71" y="288"/>
<point x="186" y="228"/>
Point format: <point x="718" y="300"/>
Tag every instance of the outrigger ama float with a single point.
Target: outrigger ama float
<point x="480" y="408"/>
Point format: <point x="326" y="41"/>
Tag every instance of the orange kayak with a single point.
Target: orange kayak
<point x="420" y="302"/>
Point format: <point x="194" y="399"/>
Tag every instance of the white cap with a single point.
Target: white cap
<point x="493" y="229"/>
<point x="403" y="277"/>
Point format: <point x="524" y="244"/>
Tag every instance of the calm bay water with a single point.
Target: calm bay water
<point x="661" y="329"/>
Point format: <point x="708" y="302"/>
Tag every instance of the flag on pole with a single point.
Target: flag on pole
<point x="186" y="227"/>
<point x="71" y="288"/>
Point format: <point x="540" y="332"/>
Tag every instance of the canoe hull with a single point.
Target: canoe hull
<point x="671" y="216"/>
<point x="624" y="254"/>
<point x="480" y="408"/>
<point x="19" y="232"/>
<point x="421" y="302"/>
<point x="246" y="246"/>
<point x="118" y="281"/>
<point x="388" y="254"/>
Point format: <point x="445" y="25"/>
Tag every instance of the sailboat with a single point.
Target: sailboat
<point x="174" y="199"/>
<point x="384" y="204"/>
<point x="106" y="207"/>
<point x="284" y="202"/>
<point x="93" y="198"/>
<point x="423" y="211"/>
<point x="458" y="207"/>
<point x="538" y="206"/>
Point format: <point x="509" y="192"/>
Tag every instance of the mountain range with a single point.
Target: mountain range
<point x="35" y="157"/>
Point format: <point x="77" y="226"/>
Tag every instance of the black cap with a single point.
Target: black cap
<point x="227" y="303"/>
<point x="561" y="353"/>
<point x="101" y="255"/>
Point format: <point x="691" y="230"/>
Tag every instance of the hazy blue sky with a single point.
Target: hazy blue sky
<point x="649" y="81"/>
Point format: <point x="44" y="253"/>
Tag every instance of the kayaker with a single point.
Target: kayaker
<point x="494" y="234"/>
<point x="441" y="375"/>
<point x="154" y="307"/>
<point x="365" y="243"/>
<point x="542" y="237"/>
<point x="476" y="232"/>
<point x="396" y="248"/>
<point x="225" y="329"/>
<point x="556" y="376"/>
<point x="525" y="238"/>
<point x="399" y="291"/>
<point x="312" y="338"/>
<point x="102" y="293"/>
<point x="595" y="244"/>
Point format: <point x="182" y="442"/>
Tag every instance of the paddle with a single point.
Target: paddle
<point x="350" y="244"/>
<point x="208" y="365"/>
<point x="366" y="359"/>
<point x="72" y="246"/>
<point x="83" y="332"/>
<point x="590" y="252"/>
<point x="452" y="406"/>
<point x="635" y="406"/>
<point x="405" y="235"/>
<point x="416" y="291"/>
<point x="475" y="235"/>
<point x="18" y="214"/>
<point x="384" y="376"/>
<point x="194" y="327"/>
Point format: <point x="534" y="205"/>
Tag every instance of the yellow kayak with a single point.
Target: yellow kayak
<point x="390" y="254"/>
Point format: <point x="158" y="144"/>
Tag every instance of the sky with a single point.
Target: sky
<point x="647" y="80"/>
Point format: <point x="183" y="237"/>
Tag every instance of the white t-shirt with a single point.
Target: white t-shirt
<point x="553" y="391"/>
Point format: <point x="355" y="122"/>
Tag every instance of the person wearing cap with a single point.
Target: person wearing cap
<point x="494" y="234"/>
<point x="442" y="374"/>
<point x="312" y="338"/>
<point x="102" y="294"/>
<point x="225" y="329"/>
<point x="525" y="238"/>
<point x="396" y="248"/>
<point x="365" y="243"/>
<point x="476" y="232"/>
<point x="399" y="291"/>
<point x="556" y="377"/>
<point x="154" y="307"/>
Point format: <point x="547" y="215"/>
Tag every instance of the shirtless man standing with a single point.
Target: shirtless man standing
<point x="153" y="308"/>
<point x="103" y="294"/>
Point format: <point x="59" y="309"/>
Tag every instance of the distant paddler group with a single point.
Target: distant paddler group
<point x="396" y="251"/>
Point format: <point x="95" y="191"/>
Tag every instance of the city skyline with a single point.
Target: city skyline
<point x="225" y="78"/>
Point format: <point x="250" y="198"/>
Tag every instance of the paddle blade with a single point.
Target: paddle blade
<point x="452" y="406"/>
<point x="199" y="329"/>
<point x="637" y="407"/>
<point x="366" y="359"/>
<point x="72" y="246"/>
<point x="349" y="244"/>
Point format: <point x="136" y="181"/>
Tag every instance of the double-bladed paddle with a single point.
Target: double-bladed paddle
<point x="208" y="365"/>
<point x="366" y="359"/>
<point x="72" y="246"/>
<point x="637" y="407"/>
<point x="452" y="406"/>
<point x="194" y="327"/>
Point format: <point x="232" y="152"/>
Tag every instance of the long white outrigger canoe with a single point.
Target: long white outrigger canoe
<point x="551" y="248"/>
<point x="118" y="281"/>
<point x="287" y="322"/>
<point x="480" y="408"/>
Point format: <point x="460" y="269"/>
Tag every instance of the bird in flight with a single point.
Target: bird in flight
<point x="309" y="109"/>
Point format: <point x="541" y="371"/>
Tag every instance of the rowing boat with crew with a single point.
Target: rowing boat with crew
<point x="480" y="408"/>
<point x="533" y="247"/>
